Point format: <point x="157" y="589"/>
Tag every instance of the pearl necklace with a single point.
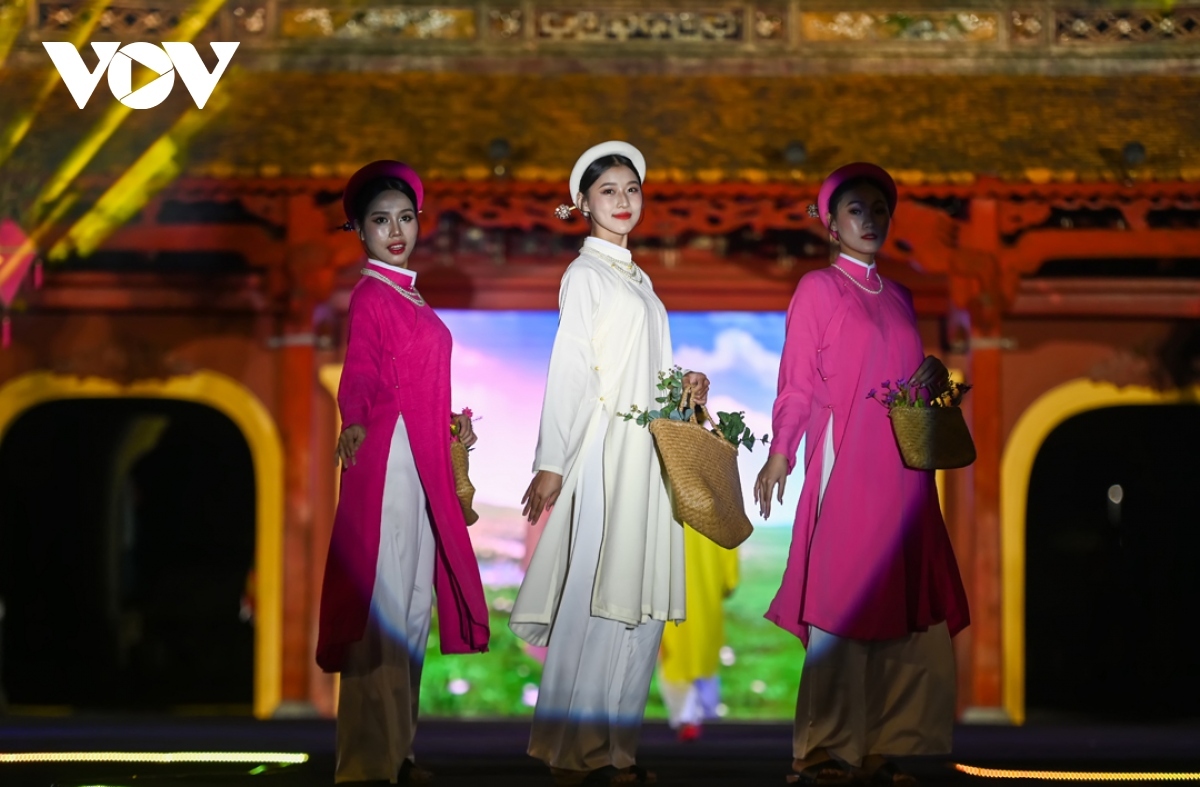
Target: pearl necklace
<point x="628" y="269"/>
<point x="858" y="283"/>
<point x="412" y="295"/>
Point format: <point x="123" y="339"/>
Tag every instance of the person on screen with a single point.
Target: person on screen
<point x="399" y="533"/>
<point x="691" y="650"/>
<point x="608" y="569"/>
<point x="871" y="586"/>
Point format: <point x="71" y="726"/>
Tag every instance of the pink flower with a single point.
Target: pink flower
<point x="467" y="412"/>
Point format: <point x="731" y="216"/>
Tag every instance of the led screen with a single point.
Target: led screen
<point x="499" y="371"/>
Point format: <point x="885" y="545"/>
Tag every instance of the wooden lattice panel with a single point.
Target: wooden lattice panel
<point x="1105" y="26"/>
<point x="700" y="26"/>
<point x="118" y="22"/>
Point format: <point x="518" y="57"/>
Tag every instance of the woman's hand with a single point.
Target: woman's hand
<point x="932" y="375"/>
<point x="774" y="473"/>
<point x="698" y="382"/>
<point x="348" y="444"/>
<point x="465" y="431"/>
<point x="541" y="495"/>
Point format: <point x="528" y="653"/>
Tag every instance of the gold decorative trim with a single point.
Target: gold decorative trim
<point x="945" y="27"/>
<point x="242" y="407"/>
<point x="386" y="22"/>
<point x="1042" y="417"/>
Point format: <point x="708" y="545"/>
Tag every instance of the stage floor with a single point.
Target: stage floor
<point x="492" y="753"/>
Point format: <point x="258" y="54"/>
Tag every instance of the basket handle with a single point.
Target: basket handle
<point x="688" y="402"/>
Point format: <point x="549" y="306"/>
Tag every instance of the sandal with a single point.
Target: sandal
<point x="890" y="775"/>
<point x="825" y="772"/>
<point x="411" y="774"/>
<point x="608" y="776"/>
<point x="635" y="774"/>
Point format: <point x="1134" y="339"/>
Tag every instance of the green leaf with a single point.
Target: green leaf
<point x="654" y="414"/>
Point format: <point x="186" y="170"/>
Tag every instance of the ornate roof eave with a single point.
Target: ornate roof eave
<point x="678" y="209"/>
<point x="933" y="186"/>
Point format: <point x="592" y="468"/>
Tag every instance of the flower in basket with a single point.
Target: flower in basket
<point x="700" y="461"/>
<point x="929" y="427"/>
<point x="902" y="394"/>
<point x="466" y="412"/>
<point x="730" y="426"/>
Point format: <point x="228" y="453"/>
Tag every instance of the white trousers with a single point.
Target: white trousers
<point x="597" y="674"/>
<point x="381" y="682"/>
<point x="893" y="698"/>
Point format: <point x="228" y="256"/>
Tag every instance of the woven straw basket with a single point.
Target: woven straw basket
<point x="462" y="483"/>
<point x="706" y="492"/>
<point x="932" y="438"/>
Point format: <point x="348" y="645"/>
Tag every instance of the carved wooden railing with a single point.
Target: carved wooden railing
<point x="1064" y="36"/>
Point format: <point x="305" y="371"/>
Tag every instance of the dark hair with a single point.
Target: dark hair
<point x="602" y="165"/>
<point x="853" y="183"/>
<point x="373" y="188"/>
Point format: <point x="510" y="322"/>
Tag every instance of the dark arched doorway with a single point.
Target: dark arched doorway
<point x="126" y="542"/>
<point x="1112" y="588"/>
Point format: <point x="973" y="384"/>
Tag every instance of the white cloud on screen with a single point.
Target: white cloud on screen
<point x="758" y="421"/>
<point x="733" y="349"/>
<point x="750" y="462"/>
<point x="507" y="400"/>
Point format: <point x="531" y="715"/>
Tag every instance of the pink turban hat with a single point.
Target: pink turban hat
<point x="380" y="169"/>
<point x="850" y="172"/>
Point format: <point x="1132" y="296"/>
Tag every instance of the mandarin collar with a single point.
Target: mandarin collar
<point x="608" y="248"/>
<point x="406" y="276"/>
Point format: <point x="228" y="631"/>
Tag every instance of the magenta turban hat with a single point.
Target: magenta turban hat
<point x="852" y="172"/>
<point x="381" y="169"/>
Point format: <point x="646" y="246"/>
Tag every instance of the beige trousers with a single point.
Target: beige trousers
<point x="381" y="681"/>
<point x="893" y="698"/>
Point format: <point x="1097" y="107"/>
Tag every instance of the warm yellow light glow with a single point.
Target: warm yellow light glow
<point x="83" y="25"/>
<point x="12" y="19"/>
<point x="165" y="758"/>
<point x="1076" y="776"/>
<point x="153" y="171"/>
<point x="190" y="25"/>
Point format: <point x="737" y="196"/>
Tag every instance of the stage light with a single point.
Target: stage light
<point x="795" y="153"/>
<point x="1076" y="776"/>
<point x="499" y="150"/>
<point x="152" y="757"/>
<point x="1134" y="154"/>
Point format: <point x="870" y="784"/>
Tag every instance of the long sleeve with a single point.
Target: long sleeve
<point x="573" y="382"/>
<point x="361" y="370"/>
<point x="797" y="369"/>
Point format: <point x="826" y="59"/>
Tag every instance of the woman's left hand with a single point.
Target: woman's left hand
<point x="931" y="375"/>
<point x="698" y="382"/>
<point x="466" y="430"/>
